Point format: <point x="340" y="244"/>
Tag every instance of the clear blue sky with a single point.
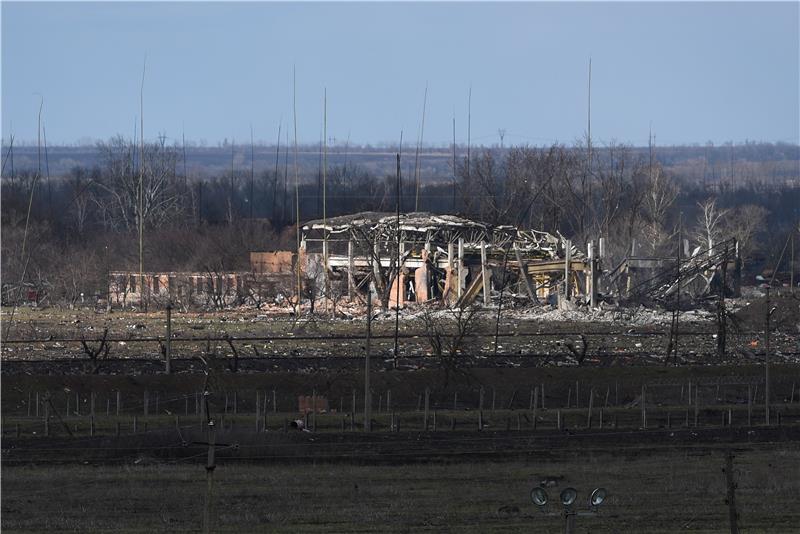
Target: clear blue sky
<point x="695" y="71"/>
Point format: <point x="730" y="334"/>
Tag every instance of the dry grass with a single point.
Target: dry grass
<point x="669" y="493"/>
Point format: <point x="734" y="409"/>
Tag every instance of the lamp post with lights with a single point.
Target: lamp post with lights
<point x="568" y="497"/>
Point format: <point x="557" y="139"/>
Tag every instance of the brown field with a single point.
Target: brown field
<point x="92" y="473"/>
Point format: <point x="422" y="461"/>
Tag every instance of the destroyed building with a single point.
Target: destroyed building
<point x="426" y="258"/>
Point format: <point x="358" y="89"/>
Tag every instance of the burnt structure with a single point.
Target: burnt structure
<point x="426" y="258"/>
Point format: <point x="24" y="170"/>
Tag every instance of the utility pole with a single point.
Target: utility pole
<point x="399" y="262"/>
<point x="731" y="496"/>
<point x="252" y="169"/>
<point x="168" y="343"/>
<point x="589" y="119"/>
<point x="367" y="399"/>
<point x="766" y="360"/>
<point x="469" y="129"/>
<point x="296" y="188"/>
<point x="454" y="161"/>
<point x="141" y="188"/>
<point x="419" y="147"/>
<point x="210" y="466"/>
<point x="678" y="293"/>
<point x="325" y="196"/>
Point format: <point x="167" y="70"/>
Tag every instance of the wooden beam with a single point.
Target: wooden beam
<point x="350" y="269"/>
<point x="524" y="275"/>
<point x="485" y="276"/>
<point x="471" y="292"/>
<point x="460" y="266"/>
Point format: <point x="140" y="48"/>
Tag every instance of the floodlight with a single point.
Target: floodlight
<point x="598" y="496"/>
<point x="539" y="496"/>
<point x="568" y="496"/>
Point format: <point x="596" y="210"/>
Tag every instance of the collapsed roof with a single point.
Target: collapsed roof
<point x="434" y="229"/>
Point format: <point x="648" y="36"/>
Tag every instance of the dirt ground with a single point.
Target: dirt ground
<point x="679" y="490"/>
<point x="124" y="444"/>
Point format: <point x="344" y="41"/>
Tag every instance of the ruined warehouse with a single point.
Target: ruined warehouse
<point x="422" y="257"/>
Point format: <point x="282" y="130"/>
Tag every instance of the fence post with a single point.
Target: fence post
<point x="314" y="409"/>
<point x="696" y="404"/>
<point x="591" y="405"/>
<point x="543" y="396"/>
<point x="427" y="406"/>
<point x="644" y="406"/>
<point x="146" y="402"/>
<point x="731" y="500"/>
<point x="168" y="348"/>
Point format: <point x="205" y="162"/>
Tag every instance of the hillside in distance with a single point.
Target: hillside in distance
<point x="757" y="161"/>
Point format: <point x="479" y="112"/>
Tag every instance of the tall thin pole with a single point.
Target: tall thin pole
<point x="454" y="163"/>
<point x="419" y="147"/>
<point x="47" y="174"/>
<point x="252" y="169"/>
<point x="469" y="130"/>
<point x="399" y="259"/>
<point x="277" y="162"/>
<point x="285" y="204"/>
<point x="141" y="183"/>
<point x="325" y="195"/>
<point x="678" y="294"/>
<point x="296" y="183"/>
<point x="183" y="140"/>
<point x="367" y="399"/>
<point x="766" y="361"/>
<point x="210" y="466"/>
<point x="168" y="341"/>
<point x="791" y="262"/>
<point x="589" y="118"/>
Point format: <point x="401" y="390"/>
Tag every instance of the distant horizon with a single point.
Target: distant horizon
<point x="264" y="143"/>
<point x="687" y="72"/>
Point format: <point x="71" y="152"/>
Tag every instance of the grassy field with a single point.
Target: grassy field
<point x="108" y="477"/>
<point x="678" y="491"/>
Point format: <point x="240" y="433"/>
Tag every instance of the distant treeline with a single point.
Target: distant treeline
<point x="63" y="231"/>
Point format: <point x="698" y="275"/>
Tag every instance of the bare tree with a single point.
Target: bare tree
<point x="661" y="192"/>
<point x="744" y="224"/>
<point x="449" y="332"/>
<point x="709" y="224"/>
<point x="160" y="199"/>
